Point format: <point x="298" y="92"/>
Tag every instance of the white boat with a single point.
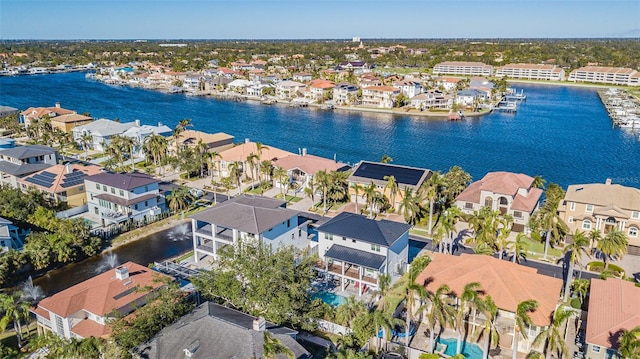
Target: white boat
<point x="629" y="122"/>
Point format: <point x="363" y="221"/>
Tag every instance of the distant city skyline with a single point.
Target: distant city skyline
<point x="316" y="19"/>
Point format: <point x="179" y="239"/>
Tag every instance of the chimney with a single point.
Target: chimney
<point x="259" y="324"/>
<point x="122" y="273"/>
<point x="160" y="124"/>
<point x="246" y="140"/>
<point x="68" y="167"/>
<point x="138" y="123"/>
<point x="304" y="151"/>
<point x="608" y="181"/>
<point x="57" y="104"/>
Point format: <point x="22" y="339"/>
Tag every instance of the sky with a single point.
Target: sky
<point x="316" y="19"/>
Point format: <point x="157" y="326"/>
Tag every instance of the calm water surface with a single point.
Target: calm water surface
<point x="561" y="133"/>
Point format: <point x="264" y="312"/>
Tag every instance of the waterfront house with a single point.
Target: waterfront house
<point x="38" y="113"/>
<point x="606" y="75"/>
<point x="66" y="123"/>
<point x="448" y="84"/>
<point x="432" y="100"/>
<point x="319" y="90"/>
<point x="245" y="218"/>
<point x="509" y="193"/>
<point x="239" y="86"/>
<point x="9" y="237"/>
<point x="290" y="89"/>
<point x="139" y="135"/>
<point x="61" y="183"/>
<point x="302" y="168"/>
<point x="531" y="72"/>
<point x="463" y="68"/>
<point x="345" y="94"/>
<point x="86" y="309"/>
<point x="614" y="306"/>
<point x="101" y="132"/>
<point x="357" y="250"/>
<point x="20" y="161"/>
<point x="241" y="152"/>
<point x="380" y="96"/>
<point x="368" y="80"/>
<point x="507" y="283"/>
<point x="114" y="198"/>
<point x="365" y="173"/>
<point x="470" y="97"/>
<point x="215" y="142"/>
<point x="302" y="77"/>
<point x="409" y="88"/>
<point x="7" y="110"/>
<point x="603" y="206"/>
<point x="214" y="331"/>
<point x="257" y="87"/>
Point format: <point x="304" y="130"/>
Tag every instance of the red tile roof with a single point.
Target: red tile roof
<point x="88" y="328"/>
<point x="309" y="164"/>
<point x="614" y="304"/>
<point x="506" y="183"/>
<point x="241" y="151"/>
<point x="507" y="283"/>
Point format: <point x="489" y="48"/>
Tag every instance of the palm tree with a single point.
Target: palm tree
<point x="440" y="313"/>
<point x="468" y="298"/>
<point x="15" y="310"/>
<point x="235" y="172"/>
<point x="129" y="144"/>
<point x="409" y="206"/>
<point x="357" y="188"/>
<point x="522" y="322"/>
<point x="212" y="162"/>
<point x="538" y="182"/>
<point x="518" y="247"/>
<point x="442" y="229"/>
<point x="573" y="254"/>
<point x="259" y="148"/>
<point x="266" y="167"/>
<point x="454" y="182"/>
<point x="253" y="160"/>
<point x="180" y="128"/>
<point x="490" y="311"/>
<point x="384" y="286"/>
<point x="272" y="347"/>
<point x="613" y="245"/>
<point x="370" y="192"/>
<point x="630" y="343"/>
<point x="430" y="190"/>
<point x="349" y="310"/>
<point x="323" y="180"/>
<point x="201" y="149"/>
<point x="86" y="139"/>
<point x="281" y="176"/>
<point x="386" y="159"/>
<point x="581" y="288"/>
<point x="410" y="292"/>
<point x="392" y="186"/>
<point x="179" y="199"/>
<point x="553" y="335"/>
<point x="594" y="237"/>
<point x="452" y="216"/>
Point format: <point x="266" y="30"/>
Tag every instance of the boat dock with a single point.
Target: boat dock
<point x="514" y="96"/>
<point x="623" y="109"/>
<point x="506" y="106"/>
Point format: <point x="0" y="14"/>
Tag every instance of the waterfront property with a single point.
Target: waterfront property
<point x="345" y="94"/>
<point x="432" y="100"/>
<point x="302" y="168"/>
<point x="113" y="198"/>
<point x="215" y="142"/>
<point x="31" y="114"/>
<point x="61" y="183"/>
<point x="20" y="161"/>
<point x="140" y="133"/>
<point x="241" y="152"/>
<point x="603" y="206"/>
<point x="214" y="331"/>
<point x="463" y="68"/>
<point x="319" y="90"/>
<point x="380" y="96"/>
<point x="248" y="218"/>
<point x="606" y="75"/>
<point x="531" y="72"/>
<point x="357" y="250"/>
<point x="365" y="173"/>
<point x="507" y="283"/>
<point x="9" y="237"/>
<point x="614" y="305"/>
<point x="66" y="123"/>
<point x="509" y="193"/>
<point x="290" y="89"/>
<point x="85" y="309"/>
<point x="409" y="88"/>
<point x="101" y="131"/>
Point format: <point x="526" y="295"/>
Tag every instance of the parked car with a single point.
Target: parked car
<point x="196" y="192"/>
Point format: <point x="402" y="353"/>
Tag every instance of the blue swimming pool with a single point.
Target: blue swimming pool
<point x="330" y="298"/>
<point x="469" y="350"/>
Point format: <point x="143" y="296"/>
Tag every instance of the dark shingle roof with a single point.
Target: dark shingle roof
<point x="23" y="169"/>
<point x="359" y="227"/>
<point x="126" y="181"/>
<point x="366" y="172"/>
<point x="356" y="256"/>
<point x="213" y="331"/>
<point x="22" y="152"/>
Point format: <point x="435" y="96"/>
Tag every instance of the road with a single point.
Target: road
<point x="548" y="269"/>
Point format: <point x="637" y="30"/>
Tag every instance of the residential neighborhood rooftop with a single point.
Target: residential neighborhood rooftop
<point x="125" y="181"/>
<point x="356" y="226"/>
<point x="309" y="164"/>
<point x="603" y="194"/>
<point x="365" y="172"/>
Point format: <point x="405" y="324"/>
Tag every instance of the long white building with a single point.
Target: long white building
<point x="531" y="72"/>
<point x="463" y="68"/>
<point x="606" y="75"/>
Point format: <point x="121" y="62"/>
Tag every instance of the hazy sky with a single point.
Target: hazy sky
<point x="314" y="19"/>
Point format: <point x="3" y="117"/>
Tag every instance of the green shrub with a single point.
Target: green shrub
<point x="429" y="356"/>
<point x="575" y="303"/>
<point x="599" y="267"/>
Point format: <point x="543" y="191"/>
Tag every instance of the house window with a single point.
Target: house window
<point x="589" y="208"/>
<point x="113" y="190"/>
<point x="468" y="205"/>
<point x="517" y="214"/>
<point x="570" y="220"/>
<point x="135" y="207"/>
<point x="97" y="186"/>
<point x="595" y="349"/>
<point x="633" y="232"/>
<point x="146" y="204"/>
<point x="104" y="188"/>
<point x="81" y="188"/>
<point x="91" y="194"/>
<point x="586" y="224"/>
<point x="353" y="240"/>
<point x="572" y="206"/>
<point x="299" y="232"/>
<point x="375" y="247"/>
<point x="344" y="238"/>
<point x="328" y="237"/>
<point x="635" y="215"/>
<point x="95" y="210"/>
<point x="146" y="188"/>
<point x="288" y="223"/>
<point x="122" y="193"/>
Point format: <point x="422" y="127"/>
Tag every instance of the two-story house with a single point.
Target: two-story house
<point x="9" y="238"/>
<point x="345" y="94"/>
<point x="101" y="132"/>
<point x="140" y="133"/>
<point x="290" y="89"/>
<point x="21" y="161"/>
<point x="380" y="96"/>
<point x="603" y="206"/>
<point x="302" y="168"/>
<point x="318" y="90"/>
<point x="61" y="183"/>
<point x="241" y="152"/>
<point x="409" y="88"/>
<point x="86" y="309"/>
<point x="31" y="114"/>
<point x="119" y="197"/>
<point x="357" y="250"/>
<point x="246" y="218"/>
<point x="509" y="193"/>
<point x="215" y="142"/>
<point x="432" y="100"/>
<point x="66" y="123"/>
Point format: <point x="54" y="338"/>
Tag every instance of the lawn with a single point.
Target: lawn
<point x="185" y="256"/>
<point x="535" y="250"/>
<point x="257" y="190"/>
<point x="419" y="231"/>
<point x="289" y="198"/>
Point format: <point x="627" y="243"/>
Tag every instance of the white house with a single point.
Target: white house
<point x="380" y="96"/>
<point x="248" y="218"/>
<point x="289" y="89"/>
<point x="18" y="162"/>
<point x="9" y="238"/>
<point x="432" y="99"/>
<point x="140" y="133"/>
<point x="357" y="250"/>
<point x="409" y="88"/>
<point x="345" y="94"/>
<point x="101" y="132"/>
<point x="118" y="197"/>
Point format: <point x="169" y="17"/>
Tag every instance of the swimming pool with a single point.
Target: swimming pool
<point x="332" y="299"/>
<point x="469" y="350"/>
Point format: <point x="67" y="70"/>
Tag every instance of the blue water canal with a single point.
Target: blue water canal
<point x="561" y="133"/>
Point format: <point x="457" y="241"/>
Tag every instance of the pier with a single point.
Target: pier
<point x="506" y="106"/>
<point x="623" y="109"/>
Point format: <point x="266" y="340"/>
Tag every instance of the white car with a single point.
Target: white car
<point x="196" y="192"/>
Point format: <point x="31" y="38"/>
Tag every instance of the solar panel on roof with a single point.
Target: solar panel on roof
<point x="71" y="183"/>
<point x="39" y="181"/>
<point x="378" y="171"/>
